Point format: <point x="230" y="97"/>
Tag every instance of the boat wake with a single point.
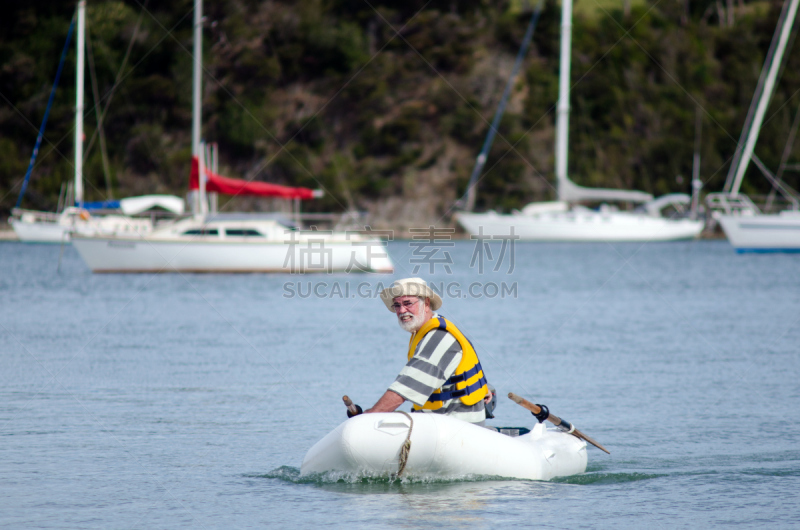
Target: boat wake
<point x="606" y="478"/>
<point x="292" y="474"/>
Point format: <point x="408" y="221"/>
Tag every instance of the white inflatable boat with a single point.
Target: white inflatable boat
<point x="369" y="445"/>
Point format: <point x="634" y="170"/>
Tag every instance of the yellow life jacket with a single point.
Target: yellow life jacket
<point x="468" y="377"/>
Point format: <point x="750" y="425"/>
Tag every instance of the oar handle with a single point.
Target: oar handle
<point x="350" y="406"/>
<point x="555" y="420"/>
<point x="536" y="409"/>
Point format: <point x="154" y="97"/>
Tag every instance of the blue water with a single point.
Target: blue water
<point x="188" y="401"/>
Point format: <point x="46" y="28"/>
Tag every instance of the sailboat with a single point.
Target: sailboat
<point x="746" y="227"/>
<point x="208" y="241"/>
<point x="565" y="219"/>
<point x="56" y="227"/>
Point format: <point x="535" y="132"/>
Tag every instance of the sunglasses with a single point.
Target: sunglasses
<point x="407" y="304"/>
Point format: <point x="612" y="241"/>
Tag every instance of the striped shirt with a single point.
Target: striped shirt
<point x="434" y="362"/>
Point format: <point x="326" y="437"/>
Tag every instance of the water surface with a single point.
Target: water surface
<point x="178" y="400"/>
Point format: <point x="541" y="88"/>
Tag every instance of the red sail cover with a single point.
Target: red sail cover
<point x="230" y="186"/>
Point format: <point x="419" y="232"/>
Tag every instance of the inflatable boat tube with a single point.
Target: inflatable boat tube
<point x="369" y="445"/>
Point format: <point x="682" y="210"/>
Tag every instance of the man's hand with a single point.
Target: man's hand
<point x="388" y="402"/>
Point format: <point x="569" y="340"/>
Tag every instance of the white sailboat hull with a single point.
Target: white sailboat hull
<point x="762" y="232"/>
<point x="46" y="227"/>
<point x="443" y="448"/>
<point x="40" y="232"/>
<point x="583" y="226"/>
<point x="113" y="254"/>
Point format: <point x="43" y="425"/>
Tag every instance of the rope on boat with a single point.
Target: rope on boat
<point x="406" y="445"/>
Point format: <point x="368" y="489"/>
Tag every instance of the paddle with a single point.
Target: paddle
<point x="353" y="409"/>
<point x="555" y="420"/>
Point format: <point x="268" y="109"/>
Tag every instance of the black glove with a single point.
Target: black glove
<point x="359" y="410"/>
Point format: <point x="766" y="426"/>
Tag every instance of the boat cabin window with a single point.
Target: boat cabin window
<point x="202" y="232"/>
<point x="242" y="232"/>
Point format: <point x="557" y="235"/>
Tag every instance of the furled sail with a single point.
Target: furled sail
<point x="230" y="186"/>
<point x="571" y="192"/>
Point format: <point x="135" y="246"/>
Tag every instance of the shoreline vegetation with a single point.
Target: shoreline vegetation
<point x="386" y="108"/>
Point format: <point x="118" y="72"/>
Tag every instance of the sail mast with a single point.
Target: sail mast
<point x="79" y="104"/>
<point x="198" y="77"/>
<point x="566" y="189"/>
<point x="562" y="108"/>
<point x="198" y="198"/>
<point x="766" y="95"/>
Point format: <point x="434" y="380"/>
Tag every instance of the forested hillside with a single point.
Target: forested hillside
<point x="385" y="104"/>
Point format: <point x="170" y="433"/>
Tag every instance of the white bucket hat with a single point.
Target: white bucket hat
<point x="410" y="287"/>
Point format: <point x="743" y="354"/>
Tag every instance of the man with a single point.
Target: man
<point x="443" y="374"/>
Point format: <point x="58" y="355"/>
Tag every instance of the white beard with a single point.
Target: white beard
<point x="413" y="324"/>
